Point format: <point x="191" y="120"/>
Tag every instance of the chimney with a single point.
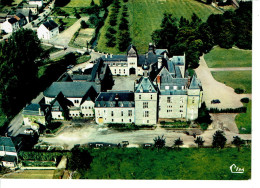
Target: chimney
<point x="159" y="62"/>
<point x="39" y="111"/>
<point x="111" y="55"/>
<point x="159" y="81"/>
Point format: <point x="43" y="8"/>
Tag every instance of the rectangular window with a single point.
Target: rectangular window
<point x="146" y="113"/>
<point x="130" y="120"/>
<point x="119" y="71"/>
<point x="112" y="113"/>
<point x="115" y="71"/>
<point x="130" y="113"/>
<point x="122" y="120"/>
<point x="112" y="120"/>
<point x="139" y="96"/>
<point x="122" y="113"/>
<point x="145" y="104"/>
<point x="151" y="97"/>
<point x="169" y="100"/>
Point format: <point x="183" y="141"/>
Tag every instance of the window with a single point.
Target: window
<point x="146" y="113"/>
<point x="129" y="112"/>
<point x="145" y="104"/>
<point x="130" y="120"/>
<point x="119" y="71"/>
<point x="122" y="120"/>
<point x="122" y="113"/>
<point x="181" y="110"/>
<point x="124" y="71"/>
<point x="193" y="100"/>
<point x="115" y="71"/>
<point x="151" y="97"/>
<point x="86" y="114"/>
<point x="112" y="120"/>
<point x="147" y="121"/>
<point x="76" y="101"/>
<point x="88" y="107"/>
<point x="159" y="108"/>
<point x="167" y="87"/>
<point x="181" y="99"/>
<point x="112" y="113"/>
<point x="181" y="106"/>
<point x="169" y="100"/>
<point x="139" y="96"/>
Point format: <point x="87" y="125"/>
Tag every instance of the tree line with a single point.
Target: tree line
<point x="194" y="37"/>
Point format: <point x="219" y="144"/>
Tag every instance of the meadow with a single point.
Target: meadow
<point x="244" y="120"/>
<point x="184" y="164"/>
<point x="32" y="174"/>
<point x="219" y="57"/>
<point x="145" y="16"/>
<point x="230" y="78"/>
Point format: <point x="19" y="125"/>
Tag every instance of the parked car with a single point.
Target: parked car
<point x="215" y="101"/>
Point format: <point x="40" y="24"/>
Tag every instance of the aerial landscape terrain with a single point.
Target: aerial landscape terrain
<point x="126" y="89"/>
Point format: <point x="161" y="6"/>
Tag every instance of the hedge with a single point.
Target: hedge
<point x="228" y="110"/>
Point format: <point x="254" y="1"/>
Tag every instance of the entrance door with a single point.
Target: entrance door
<point x="100" y="120"/>
<point x="132" y="71"/>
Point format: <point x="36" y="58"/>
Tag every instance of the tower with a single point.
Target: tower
<point x="132" y="57"/>
<point x="146" y="97"/>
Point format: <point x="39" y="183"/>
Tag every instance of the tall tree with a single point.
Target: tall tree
<point x="219" y="140"/>
<point x="159" y="142"/>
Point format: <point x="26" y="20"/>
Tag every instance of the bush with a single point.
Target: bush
<point x="245" y="100"/>
<point x="239" y="91"/>
<point x="83" y="24"/>
<point x="228" y="110"/>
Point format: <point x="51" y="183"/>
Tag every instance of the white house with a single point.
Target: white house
<point x="10" y="25"/>
<point x="39" y="3"/>
<point x="47" y="30"/>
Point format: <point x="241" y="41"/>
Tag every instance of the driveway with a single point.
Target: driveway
<point x="64" y="38"/>
<point x="213" y="89"/>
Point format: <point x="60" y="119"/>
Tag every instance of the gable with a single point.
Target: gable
<point x="145" y="86"/>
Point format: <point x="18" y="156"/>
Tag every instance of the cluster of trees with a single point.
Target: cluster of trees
<point x="194" y="37"/>
<point x="204" y="119"/>
<point x="20" y="56"/>
<point x="219" y="141"/>
<point x="123" y="36"/>
<point x="61" y="3"/>
<point x="6" y="2"/>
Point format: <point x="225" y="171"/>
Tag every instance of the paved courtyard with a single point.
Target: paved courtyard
<point x="124" y="82"/>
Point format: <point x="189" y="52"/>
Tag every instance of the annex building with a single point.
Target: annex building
<point x="163" y="90"/>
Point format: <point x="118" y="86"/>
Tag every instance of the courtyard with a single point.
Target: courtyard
<point x="124" y="82"/>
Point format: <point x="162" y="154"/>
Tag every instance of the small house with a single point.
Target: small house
<point x="11" y="25"/>
<point x="39" y="3"/>
<point x="47" y="30"/>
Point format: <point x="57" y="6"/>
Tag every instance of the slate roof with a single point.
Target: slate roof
<point x="8" y="158"/>
<point x="33" y="109"/>
<point x="7" y="144"/>
<point x="115" y="99"/>
<point x="50" y="25"/>
<point x="80" y="77"/>
<point x="174" y="92"/>
<point x="114" y="58"/>
<point x="70" y="89"/>
<point x="145" y="85"/>
<point x="12" y="20"/>
<point x="178" y="60"/>
<point x="25" y="12"/>
<point x="131" y="46"/>
<point x="90" y="95"/>
<point x="60" y="103"/>
<point x="194" y="83"/>
<point x="160" y="51"/>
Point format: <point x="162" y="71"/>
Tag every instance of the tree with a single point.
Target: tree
<point x="80" y="159"/>
<point x="178" y="142"/>
<point x="20" y="57"/>
<point x="219" y="140"/>
<point x="92" y="3"/>
<point x="159" y="142"/>
<point x="237" y="141"/>
<point x="199" y="140"/>
<point x="124" y="40"/>
<point x="83" y="24"/>
<point x="7" y="2"/>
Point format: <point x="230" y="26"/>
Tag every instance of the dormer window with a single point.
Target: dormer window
<point x="150" y="89"/>
<point x="141" y="89"/>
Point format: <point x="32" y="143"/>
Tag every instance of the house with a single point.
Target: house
<point x="34" y="114"/>
<point x="11" y="25"/>
<point x="22" y="21"/>
<point x="115" y="107"/>
<point x="39" y="3"/>
<point x="26" y="12"/>
<point x="77" y="98"/>
<point x="3" y="17"/>
<point x="8" y="153"/>
<point x="33" y="8"/>
<point x="47" y="30"/>
<point x="132" y="62"/>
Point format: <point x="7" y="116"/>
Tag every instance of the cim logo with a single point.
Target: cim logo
<point x="236" y="169"/>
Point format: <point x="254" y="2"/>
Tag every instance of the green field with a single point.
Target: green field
<point x="186" y="164"/>
<point x="235" y="79"/>
<point x="80" y="3"/>
<point x="219" y="57"/>
<point x="244" y="119"/>
<point x="32" y="174"/>
<point x="145" y="16"/>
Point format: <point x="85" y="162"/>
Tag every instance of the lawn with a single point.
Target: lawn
<point x="80" y="3"/>
<point x="32" y="174"/>
<point x="67" y="22"/>
<point x="145" y="16"/>
<point x="219" y="57"/>
<point x="186" y="164"/>
<point x="244" y="119"/>
<point x="235" y="79"/>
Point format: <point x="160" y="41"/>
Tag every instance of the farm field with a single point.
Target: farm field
<point x="184" y="164"/>
<point x="32" y="174"/>
<point x="235" y="79"/>
<point x="84" y="36"/>
<point x="244" y="120"/>
<point x="145" y="16"/>
<point x="219" y="57"/>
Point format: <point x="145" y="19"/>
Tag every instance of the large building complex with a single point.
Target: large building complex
<point x="163" y="90"/>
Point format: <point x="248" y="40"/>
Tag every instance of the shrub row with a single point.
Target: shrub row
<point x="41" y="156"/>
<point x="228" y="110"/>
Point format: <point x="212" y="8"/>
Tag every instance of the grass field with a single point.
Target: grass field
<point x="32" y="174"/>
<point x="235" y="79"/>
<point x="219" y="57"/>
<point x="244" y="119"/>
<point x="80" y="3"/>
<point x="67" y="22"/>
<point x="145" y="16"/>
<point x="186" y="164"/>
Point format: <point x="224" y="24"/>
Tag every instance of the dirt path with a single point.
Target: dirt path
<point x="224" y="122"/>
<point x="231" y="69"/>
<point x="64" y="38"/>
<point x="213" y="89"/>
